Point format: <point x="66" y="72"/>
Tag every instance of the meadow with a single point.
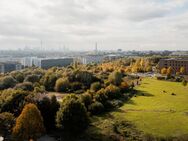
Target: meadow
<point x="160" y="109"/>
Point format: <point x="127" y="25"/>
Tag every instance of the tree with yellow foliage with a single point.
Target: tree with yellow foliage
<point x="163" y="71"/>
<point x="29" y="125"/>
<point x="169" y="71"/>
<point x="182" y="70"/>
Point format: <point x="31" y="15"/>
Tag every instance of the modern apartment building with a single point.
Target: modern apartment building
<point x="47" y="63"/>
<point x="176" y="64"/>
<point x="9" y="66"/>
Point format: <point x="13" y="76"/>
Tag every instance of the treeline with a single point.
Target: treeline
<point x="27" y="112"/>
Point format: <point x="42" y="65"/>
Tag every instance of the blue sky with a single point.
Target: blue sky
<point x="78" y="24"/>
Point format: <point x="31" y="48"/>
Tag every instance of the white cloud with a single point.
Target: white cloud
<point x="126" y="24"/>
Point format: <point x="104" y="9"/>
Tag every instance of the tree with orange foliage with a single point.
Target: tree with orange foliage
<point x="124" y="86"/>
<point x="29" y="125"/>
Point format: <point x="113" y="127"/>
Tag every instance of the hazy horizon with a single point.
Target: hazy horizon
<point x="78" y="24"/>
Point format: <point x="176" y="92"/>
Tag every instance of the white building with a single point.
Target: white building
<point x="28" y="61"/>
<point x="91" y="59"/>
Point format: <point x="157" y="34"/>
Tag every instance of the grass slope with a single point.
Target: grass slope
<point x="158" y="113"/>
<point x="152" y="112"/>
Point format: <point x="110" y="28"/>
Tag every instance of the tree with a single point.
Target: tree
<point x="113" y="92"/>
<point x="49" y="80"/>
<point x="62" y="85"/>
<point x="72" y="116"/>
<point x="12" y="101"/>
<point x="96" y="108"/>
<point x="177" y="73"/>
<point x="76" y="86"/>
<point x="115" y="78"/>
<point x="53" y="110"/>
<point x="26" y="86"/>
<point x="29" y="125"/>
<point x="32" y="78"/>
<point x="86" y="99"/>
<point x="6" y="123"/>
<point x="163" y="71"/>
<point x="182" y="70"/>
<point x="95" y="86"/>
<point x="84" y="77"/>
<point x="148" y="69"/>
<point x="169" y="71"/>
<point x="101" y="96"/>
<point x="48" y="108"/>
<point x="7" y="82"/>
<point x="19" y="77"/>
<point x="124" y="86"/>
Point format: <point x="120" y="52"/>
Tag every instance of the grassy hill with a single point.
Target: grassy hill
<point x="159" y="109"/>
<point x="159" y="112"/>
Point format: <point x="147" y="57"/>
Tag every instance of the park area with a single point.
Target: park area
<point x="159" y="109"/>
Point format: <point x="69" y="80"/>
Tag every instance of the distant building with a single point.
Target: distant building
<point x="179" y="53"/>
<point x="47" y="63"/>
<point x="28" y="61"/>
<point x="9" y="66"/>
<point x="91" y="59"/>
<point x="176" y="64"/>
<point x="112" y="56"/>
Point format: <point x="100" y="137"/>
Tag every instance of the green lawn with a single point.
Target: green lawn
<point x="158" y="113"/>
<point x="151" y="112"/>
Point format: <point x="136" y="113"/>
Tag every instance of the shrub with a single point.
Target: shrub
<point x="113" y="92"/>
<point x="62" y="85"/>
<point x="179" y="79"/>
<point x="115" y="78"/>
<point x="26" y="86"/>
<point x="160" y="78"/>
<point x="96" y="108"/>
<point x="116" y="103"/>
<point x="184" y="82"/>
<point x="95" y="86"/>
<point x="29" y="125"/>
<point x="101" y="96"/>
<point x="72" y="116"/>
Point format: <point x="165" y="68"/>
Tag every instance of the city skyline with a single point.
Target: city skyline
<point x="78" y="25"/>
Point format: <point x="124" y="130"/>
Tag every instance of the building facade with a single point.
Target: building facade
<point x="47" y="63"/>
<point x="88" y="59"/>
<point x="28" y="61"/>
<point x="9" y="66"/>
<point x="176" y="64"/>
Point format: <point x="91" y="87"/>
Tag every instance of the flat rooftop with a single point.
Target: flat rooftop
<point x="176" y="59"/>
